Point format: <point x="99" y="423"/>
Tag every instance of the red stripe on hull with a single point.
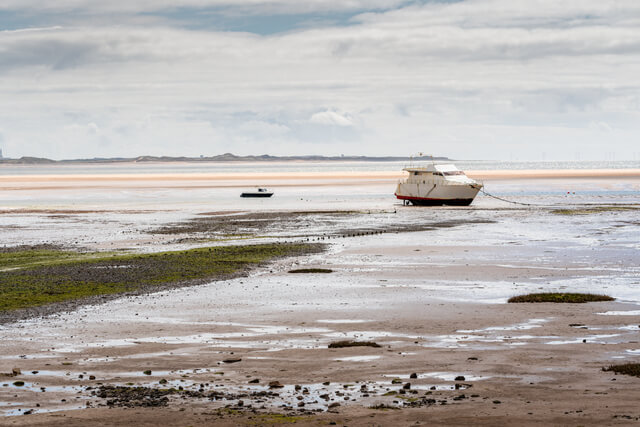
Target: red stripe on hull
<point x="425" y="201"/>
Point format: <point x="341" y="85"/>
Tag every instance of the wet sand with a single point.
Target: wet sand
<point x="434" y="299"/>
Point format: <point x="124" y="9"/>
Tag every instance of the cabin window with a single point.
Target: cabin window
<point x="415" y="173"/>
<point x="454" y="173"/>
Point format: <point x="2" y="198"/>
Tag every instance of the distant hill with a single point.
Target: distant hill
<point x="27" y="161"/>
<point x="227" y="157"/>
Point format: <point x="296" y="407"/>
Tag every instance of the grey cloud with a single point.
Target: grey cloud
<point x="72" y="48"/>
<point x="54" y="54"/>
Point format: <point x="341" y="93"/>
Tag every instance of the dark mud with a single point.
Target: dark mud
<point x="324" y="224"/>
<point x="252" y="223"/>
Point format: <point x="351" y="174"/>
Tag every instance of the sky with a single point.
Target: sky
<point x="469" y="79"/>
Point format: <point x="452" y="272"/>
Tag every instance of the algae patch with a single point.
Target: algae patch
<point x="275" y="418"/>
<point x="632" y="369"/>
<point x="344" y="344"/>
<point x="592" y="210"/>
<point x="58" y="276"/>
<point x="571" y="298"/>
<point x="20" y="257"/>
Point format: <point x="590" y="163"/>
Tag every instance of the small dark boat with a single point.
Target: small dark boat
<point x="260" y="192"/>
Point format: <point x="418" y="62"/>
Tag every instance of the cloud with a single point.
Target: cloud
<point x="419" y="75"/>
<point x="331" y="118"/>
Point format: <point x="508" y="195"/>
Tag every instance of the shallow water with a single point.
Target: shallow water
<point x="277" y="167"/>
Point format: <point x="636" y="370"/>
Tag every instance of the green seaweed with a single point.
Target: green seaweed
<point x="383" y="407"/>
<point x="275" y="418"/>
<point x="36" y="277"/>
<point x="573" y="298"/>
<point x="29" y="258"/>
<point x="591" y="210"/>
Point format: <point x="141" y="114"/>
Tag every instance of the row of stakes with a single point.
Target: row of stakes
<point x="327" y="237"/>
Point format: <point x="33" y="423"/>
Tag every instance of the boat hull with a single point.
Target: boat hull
<point x="437" y="194"/>
<point x="262" y="195"/>
<point x="418" y="201"/>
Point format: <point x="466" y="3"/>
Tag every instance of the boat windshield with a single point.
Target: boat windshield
<point x="453" y="173"/>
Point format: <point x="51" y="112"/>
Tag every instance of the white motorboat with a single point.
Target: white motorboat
<point x="436" y="185"/>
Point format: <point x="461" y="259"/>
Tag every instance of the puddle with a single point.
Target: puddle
<point x="591" y="339"/>
<point x="357" y="358"/>
<point x="222" y="339"/>
<point x="445" y="376"/>
<point x="368" y="335"/>
<point x="453" y="341"/>
<point x="610" y="328"/>
<point x="621" y="313"/>
<point x="422" y="387"/>
<point x="37" y="387"/>
<point x="21" y="411"/>
<point x="532" y="323"/>
<point x="343" y="321"/>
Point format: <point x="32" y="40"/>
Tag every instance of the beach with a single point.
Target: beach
<point x="428" y="286"/>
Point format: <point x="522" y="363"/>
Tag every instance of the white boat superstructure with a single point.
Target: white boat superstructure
<point x="437" y="184"/>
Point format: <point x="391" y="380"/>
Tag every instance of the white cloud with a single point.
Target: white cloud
<point x="331" y="118"/>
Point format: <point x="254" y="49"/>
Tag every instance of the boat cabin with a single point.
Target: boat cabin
<point x="436" y="172"/>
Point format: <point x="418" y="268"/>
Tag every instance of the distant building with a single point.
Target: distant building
<point x="0" y="153"/>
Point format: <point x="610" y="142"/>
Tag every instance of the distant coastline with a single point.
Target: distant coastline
<point x="227" y="157"/>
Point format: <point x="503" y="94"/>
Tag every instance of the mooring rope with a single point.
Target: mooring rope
<point x="481" y="189"/>
<point x="539" y="205"/>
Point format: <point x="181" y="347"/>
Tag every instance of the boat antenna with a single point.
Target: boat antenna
<point x="428" y="155"/>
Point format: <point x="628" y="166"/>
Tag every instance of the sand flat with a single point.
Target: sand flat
<point x="434" y="298"/>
